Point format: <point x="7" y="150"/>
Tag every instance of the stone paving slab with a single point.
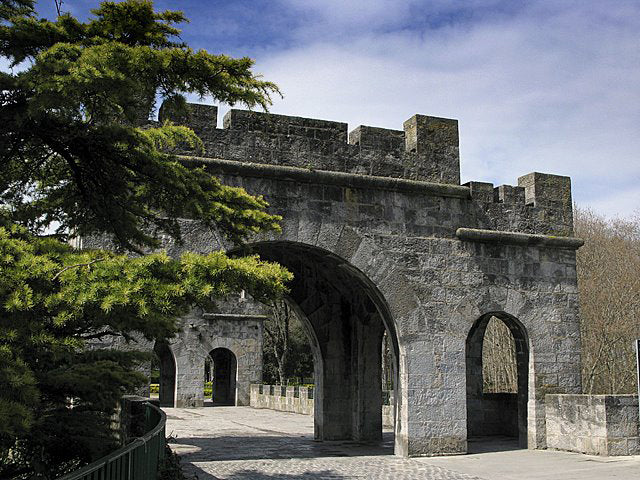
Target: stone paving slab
<point x="241" y="443"/>
<point x="324" y="468"/>
<point x="244" y="443"/>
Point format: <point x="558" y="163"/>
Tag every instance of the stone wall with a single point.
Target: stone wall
<point x="593" y="424"/>
<point x="283" y="399"/>
<point x="300" y="400"/>
<point x="427" y="149"/>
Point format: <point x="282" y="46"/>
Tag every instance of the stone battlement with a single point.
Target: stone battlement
<point x="426" y="150"/>
<point x="541" y="203"/>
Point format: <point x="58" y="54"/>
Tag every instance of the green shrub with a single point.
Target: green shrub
<point x="170" y="468"/>
<point x="154" y="388"/>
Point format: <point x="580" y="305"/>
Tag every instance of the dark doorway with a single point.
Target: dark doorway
<point x="497" y="363"/>
<point x="220" y="369"/>
<point x="167" y="382"/>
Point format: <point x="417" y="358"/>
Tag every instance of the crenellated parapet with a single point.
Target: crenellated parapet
<point x="541" y="203"/>
<point x="426" y="150"/>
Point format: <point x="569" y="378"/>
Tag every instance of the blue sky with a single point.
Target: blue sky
<point x="546" y="85"/>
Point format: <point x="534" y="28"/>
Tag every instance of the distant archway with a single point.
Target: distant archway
<point x="223" y="370"/>
<point x="167" y="374"/>
<point x="492" y="412"/>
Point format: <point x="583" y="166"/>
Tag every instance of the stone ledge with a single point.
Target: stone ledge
<point x="351" y="180"/>
<point x="514" y="238"/>
<point x="233" y="316"/>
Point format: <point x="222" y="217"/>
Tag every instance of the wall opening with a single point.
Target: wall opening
<point x="220" y="370"/>
<point x="346" y="318"/>
<point x="497" y="364"/>
<point x="165" y="363"/>
<point x="288" y="357"/>
<point x="388" y="379"/>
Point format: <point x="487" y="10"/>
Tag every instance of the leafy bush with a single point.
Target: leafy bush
<point x="170" y="468"/>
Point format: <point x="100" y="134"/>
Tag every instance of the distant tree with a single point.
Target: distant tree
<point x="76" y="160"/>
<point x="499" y="367"/>
<point x="286" y="351"/>
<point x="609" y="285"/>
<point x="277" y="330"/>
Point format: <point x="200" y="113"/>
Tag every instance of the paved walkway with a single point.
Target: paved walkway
<point x="242" y="443"/>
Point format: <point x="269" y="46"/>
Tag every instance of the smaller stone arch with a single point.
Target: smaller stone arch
<point x="490" y="414"/>
<point x="202" y="332"/>
<point x="224" y="371"/>
<point x="168" y="373"/>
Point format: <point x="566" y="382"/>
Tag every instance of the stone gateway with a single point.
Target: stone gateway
<point x="381" y="237"/>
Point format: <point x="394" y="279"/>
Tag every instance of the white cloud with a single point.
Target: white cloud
<point x="548" y="89"/>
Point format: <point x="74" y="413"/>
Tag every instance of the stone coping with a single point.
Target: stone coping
<point x="592" y="395"/>
<point x="515" y="238"/>
<point x="233" y="316"/>
<point x="304" y="175"/>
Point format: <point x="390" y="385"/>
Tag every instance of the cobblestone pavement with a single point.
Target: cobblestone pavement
<point x="242" y="443"/>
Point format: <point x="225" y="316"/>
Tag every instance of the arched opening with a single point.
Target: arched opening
<point x="388" y="383"/>
<point x="288" y="355"/>
<point x="220" y="368"/>
<point x="497" y="364"/>
<point x="166" y="364"/>
<point x="346" y="318"/>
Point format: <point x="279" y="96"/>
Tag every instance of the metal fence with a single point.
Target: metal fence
<point x="139" y="460"/>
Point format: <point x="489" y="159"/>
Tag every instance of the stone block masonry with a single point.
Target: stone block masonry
<point x="237" y="333"/>
<point x="593" y="424"/>
<point x="427" y="150"/>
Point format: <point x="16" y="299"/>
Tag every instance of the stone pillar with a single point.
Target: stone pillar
<point x="367" y="379"/>
<point x="190" y="377"/>
<point x="551" y="195"/>
<point x="333" y="418"/>
<point x="432" y="398"/>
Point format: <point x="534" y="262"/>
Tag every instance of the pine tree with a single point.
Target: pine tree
<point x="77" y="157"/>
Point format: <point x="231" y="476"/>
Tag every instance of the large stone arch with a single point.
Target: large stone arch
<point x="347" y="315"/>
<point x="434" y="284"/>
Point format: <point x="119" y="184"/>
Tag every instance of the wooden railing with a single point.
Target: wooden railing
<point x="138" y="460"/>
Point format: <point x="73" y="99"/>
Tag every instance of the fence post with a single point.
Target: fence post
<point x="638" y="373"/>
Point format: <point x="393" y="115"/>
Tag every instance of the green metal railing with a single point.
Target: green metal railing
<point x="139" y="460"/>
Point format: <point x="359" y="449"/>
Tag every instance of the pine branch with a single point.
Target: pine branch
<point x="77" y="265"/>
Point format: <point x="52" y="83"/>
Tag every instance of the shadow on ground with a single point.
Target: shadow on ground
<point x="272" y="447"/>
<point x="492" y="444"/>
<point x="253" y="474"/>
